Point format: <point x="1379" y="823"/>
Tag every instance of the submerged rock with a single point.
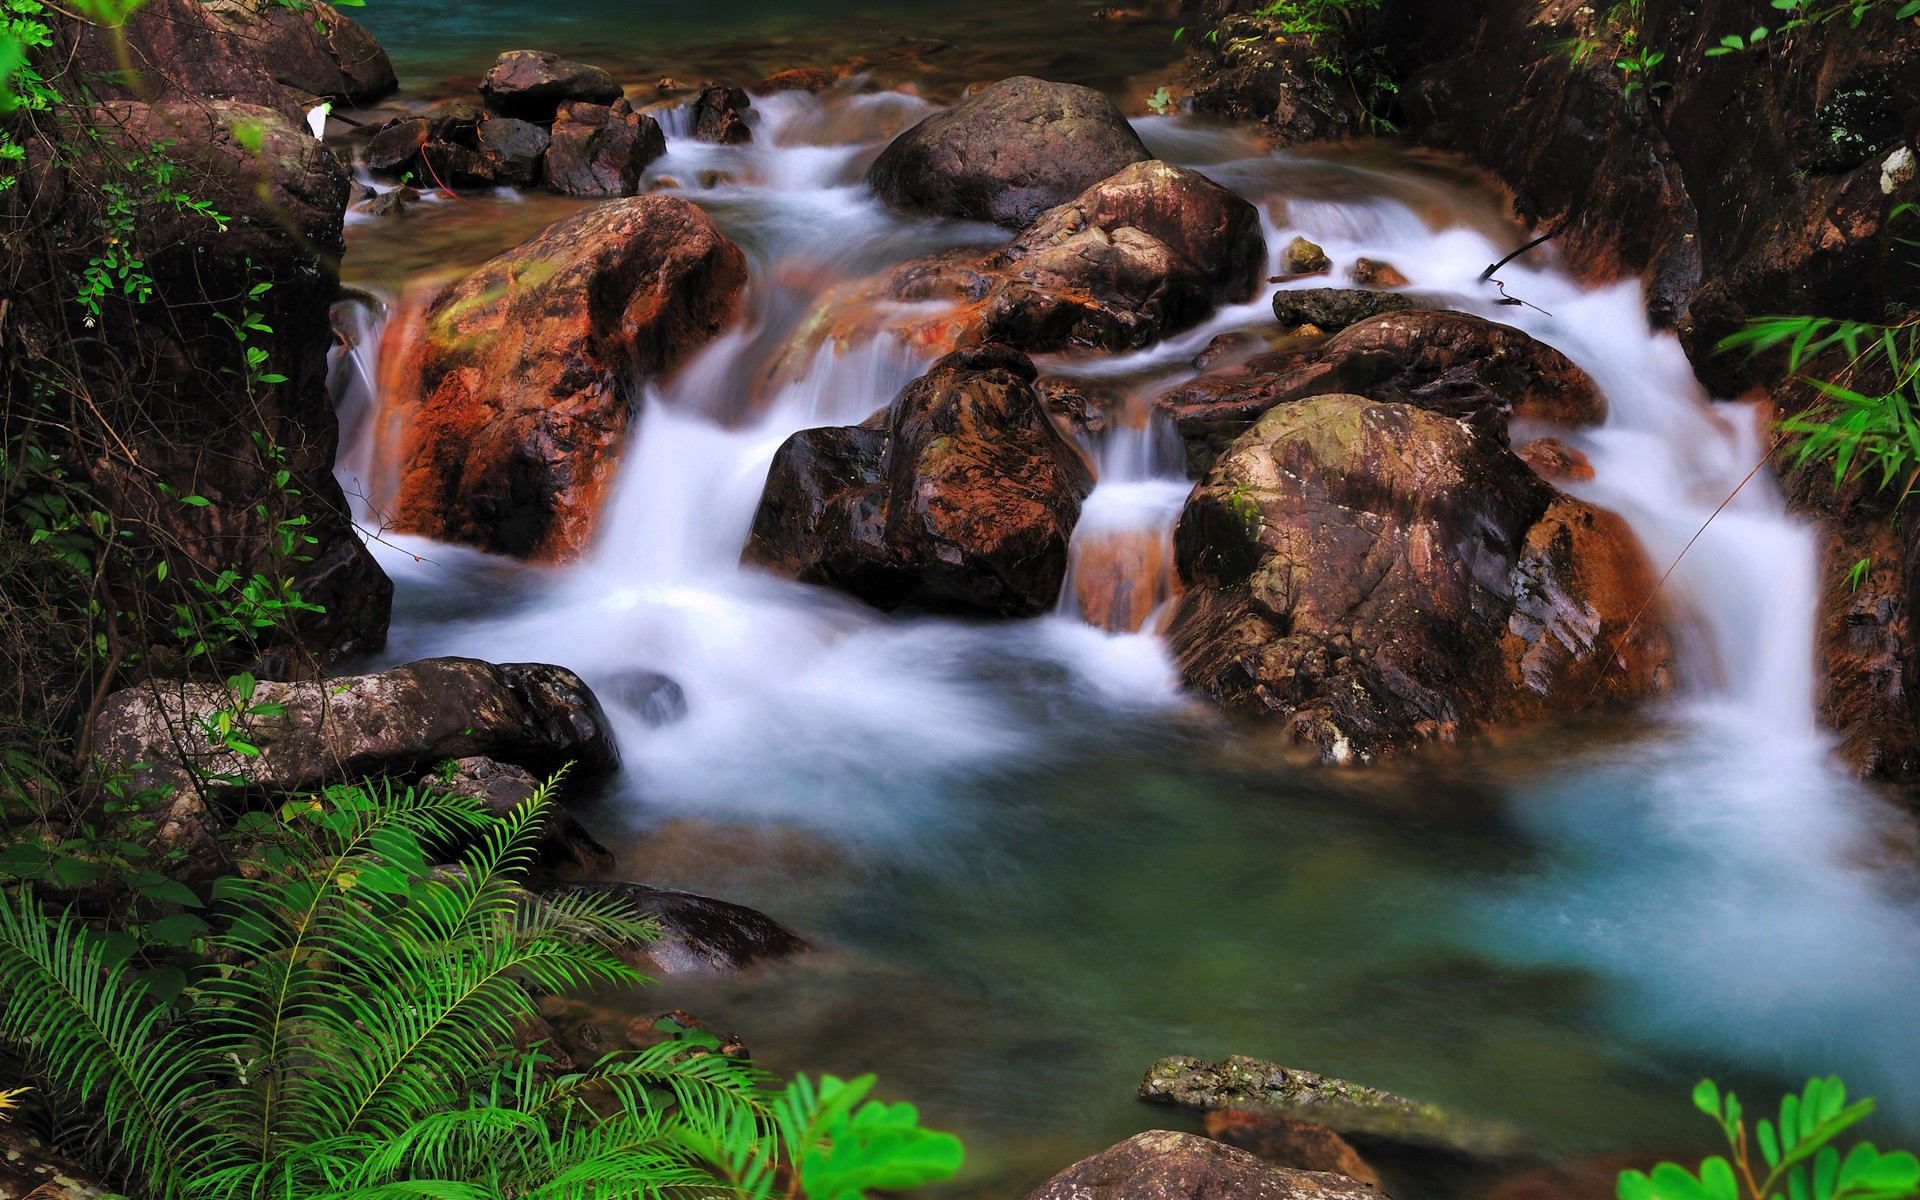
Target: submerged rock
<point x="533" y="84"/>
<point x="960" y="496"/>
<point x="698" y="934"/>
<point x="521" y="385"/>
<point x="1376" y="576"/>
<point x="1007" y="153"/>
<point x="1251" y="1085"/>
<point x="1162" y="1165"/>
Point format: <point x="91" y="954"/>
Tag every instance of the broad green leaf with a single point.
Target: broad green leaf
<point x="1706" y="1098"/>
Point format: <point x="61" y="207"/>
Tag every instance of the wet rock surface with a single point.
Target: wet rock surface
<point x="1162" y="1165"/>
<point x="398" y="722"/>
<point x="521" y="384"/>
<point x="533" y="84"/>
<point x="1007" y="153"/>
<point x="1376" y="576"/>
<point x="1289" y="1142"/>
<point x="960" y="496"/>
<point x="698" y="933"/>
<point x="599" y="150"/>
<point x="1255" y="1086"/>
<point x="1445" y="362"/>
<point x="1333" y="309"/>
<point x="720" y="116"/>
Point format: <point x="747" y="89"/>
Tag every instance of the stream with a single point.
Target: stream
<point x="1032" y="865"/>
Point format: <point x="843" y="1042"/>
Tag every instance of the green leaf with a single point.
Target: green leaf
<point x="1716" y="1175"/>
<point x="196" y="501"/>
<point x="155" y="886"/>
<point x="1769" y="1144"/>
<point x="1706" y="1098"/>
<point x="1671" y="1181"/>
<point x="177" y="930"/>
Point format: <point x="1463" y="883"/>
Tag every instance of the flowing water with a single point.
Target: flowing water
<point x="1033" y="865"/>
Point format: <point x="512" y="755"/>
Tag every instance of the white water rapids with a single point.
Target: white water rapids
<point x="1719" y="876"/>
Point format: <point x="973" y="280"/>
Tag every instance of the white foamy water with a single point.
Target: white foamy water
<point x="1711" y="876"/>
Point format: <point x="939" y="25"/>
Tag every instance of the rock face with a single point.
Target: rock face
<point x="396" y="722"/>
<point x="533" y="84"/>
<point x="1446" y="362"/>
<point x="1377" y="576"/>
<point x="1148" y="251"/>
<point x="522" y="381"/>
<point x="698" y="934"/>
<point x="1253" y="69"/>
<point x="1161" y="1165"/>
<point x="1008" y="153"/>
<point x="598" y="150"/>
<point x="1251" y="1085"/>
<point x="961" y="496"/>
<point x="314" y="51"/>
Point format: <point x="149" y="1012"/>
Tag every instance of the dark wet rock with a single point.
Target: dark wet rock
<point x="1446" y="362"/>
<point x="533" y="84"/>
<point x="1374" y="577"/>
<point x="720" y="116"/>
<point x="1007" y="153"/>
<point x="1251" y="1085"/>
<point x="395" y="145"/>
<point x="653" y="697"/>
<point x="30" y="1169"/>
<point x="698" y="934"/>
<point x="170" y="51"/>
<point x="564" y="851"/>
<point x="516" y="149"/>
<point x="393" y="202"/>
<point x="1252" y="69"/>
<point x="396" y="722"/>
<point x="1333" y="309"/>
<point x="960" y="496"/>
<point x="1289" y="1142"/>
<point x="1080" y="404"/>
<point x="315" y="51"/>
<point x="452" y="165"/>
<point x="1161" y="1165"/>
<point x="1302" y="257"/>
<point x="521" y="386"/>
<point x="1149" y="251"/>
<point x="597" y="150"/>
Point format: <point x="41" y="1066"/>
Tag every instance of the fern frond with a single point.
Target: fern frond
<point x="92" y="1035"/>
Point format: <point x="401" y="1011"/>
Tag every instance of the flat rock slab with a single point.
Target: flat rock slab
<point x="1253" y="1085"/>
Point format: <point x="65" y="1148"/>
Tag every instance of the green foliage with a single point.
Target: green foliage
<point x="1805" y="14"/>
<point x="1797" y="1153"/>
<point x="1335" y="30"/>
<point x="344" y="1024"/>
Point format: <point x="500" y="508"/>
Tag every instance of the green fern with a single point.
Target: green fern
<point x="351" y="1038"/>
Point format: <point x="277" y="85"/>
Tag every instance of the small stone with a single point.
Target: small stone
<point x="1555" y="461"/>
<point x="1302" y="257"/>
<point x="1896" y="170"/>
<point x="388" y="204"/>
<point x="1368" y="272"/>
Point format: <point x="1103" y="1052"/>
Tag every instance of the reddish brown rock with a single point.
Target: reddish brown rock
<point x="796" y="79"/>
<point x="1376" y="577"/>
<point x="1289" y="1142"/>
<point x="316" y="52"/>
<point x="1160" y="1165"/>
<point x="533" y="84"/>
<point x="1555" y="461"/>
<point x="961" y="496"/>
<point x="599" y="150"/>
<point x="1445" y="362"/>
<point x="1370" y="273"/>
<point x="1007" y="153"/>
<point x="1121" y="576"/>
<point x="516" y="397"/>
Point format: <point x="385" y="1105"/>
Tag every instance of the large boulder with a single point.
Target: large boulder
<point x="1146" y="252"/>
<point x="521" y="384"/>
<point x="302" y="736"/>
<point x="961" y="496"/>
<point x="1446" y="362"/>
<point x="1007" y="153"/>
<point x="168" y="51"/>
<point x="312" y="50"/>
<point x="698" y="934"/>
<point x="1250" y="1085"/>
<point x="1162" y="1165"/>
<point x="601" y="150"/>
<point x="533" y="84"/>
<point x="1377" y="576"/>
